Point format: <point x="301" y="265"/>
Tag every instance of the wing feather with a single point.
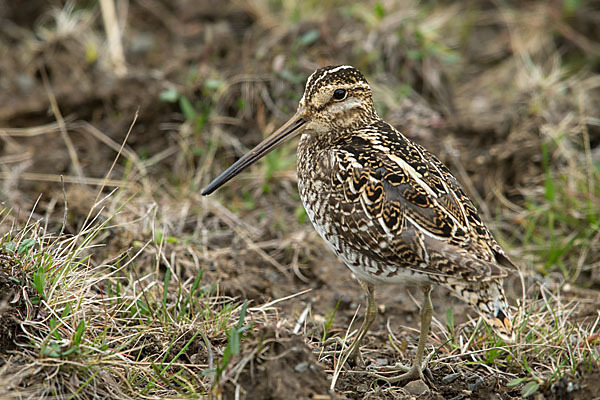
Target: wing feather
<point x="401" y="206"/>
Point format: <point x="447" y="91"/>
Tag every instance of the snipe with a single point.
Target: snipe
<point x="386" y="206"/>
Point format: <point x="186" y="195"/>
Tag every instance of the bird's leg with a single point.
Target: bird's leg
<point x="353" y="351"/>
<point x="416" y="370"/>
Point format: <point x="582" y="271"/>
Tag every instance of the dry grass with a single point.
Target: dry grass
<point x="121" y="281"/>
<point x="108" y="329"/>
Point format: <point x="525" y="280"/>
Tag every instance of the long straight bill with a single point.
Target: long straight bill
<point x="262" y="149"/>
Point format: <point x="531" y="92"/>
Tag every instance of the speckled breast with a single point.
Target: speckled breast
<point x="314" y="186"/>
<point x="315" y="167"/>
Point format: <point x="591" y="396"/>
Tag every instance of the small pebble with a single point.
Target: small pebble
<point x="450" y="378"/>
<point x="459" y="397"/>
<point x="25" y="82"/>
<point x="416" y="388"/>
<point x="141" y="42"/>
<point x="301" y="367"/>
<point x="472" y="386"/>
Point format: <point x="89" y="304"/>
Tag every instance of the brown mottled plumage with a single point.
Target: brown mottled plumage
<point x="386" y="206"/>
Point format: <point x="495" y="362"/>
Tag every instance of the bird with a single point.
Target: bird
<point x="387" y="207"/>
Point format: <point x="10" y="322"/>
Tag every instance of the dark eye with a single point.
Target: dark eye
<point x="340" y="94"/>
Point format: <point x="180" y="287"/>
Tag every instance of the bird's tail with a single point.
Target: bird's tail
<point x="476" y="281"/>
<point x="501" y="318"/>
<point x="489" y="300"/>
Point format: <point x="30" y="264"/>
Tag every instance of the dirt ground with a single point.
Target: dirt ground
<point x="330" y="283"/>
<point x="64" y="112"/>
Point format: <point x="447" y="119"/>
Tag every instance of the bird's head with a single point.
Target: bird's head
<point x="335" y="99"/>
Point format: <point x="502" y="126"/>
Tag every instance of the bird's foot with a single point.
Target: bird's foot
<point x="350" y="353"/>
<point x="403" y="368"/>
<point x="410" y="373"/>
<point x="353" y="354"/>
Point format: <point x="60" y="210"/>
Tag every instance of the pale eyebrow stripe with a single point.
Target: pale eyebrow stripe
<point x="336" y="69"/>
<point x="352" y="86"/>
<point x="331" y="71"/>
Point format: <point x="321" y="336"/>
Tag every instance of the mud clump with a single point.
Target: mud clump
<point x="13" y="306"/>
<point x="275" y="364"/>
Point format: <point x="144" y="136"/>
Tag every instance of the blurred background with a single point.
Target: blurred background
<point x="124" y="110"/>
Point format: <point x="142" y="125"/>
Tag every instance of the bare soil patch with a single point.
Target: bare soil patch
<point x="276" y="365"/>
